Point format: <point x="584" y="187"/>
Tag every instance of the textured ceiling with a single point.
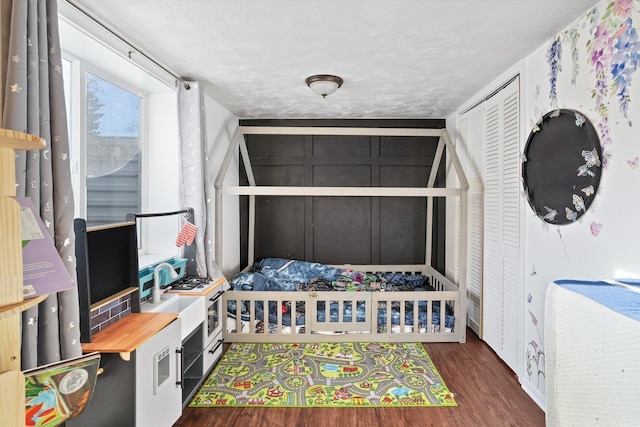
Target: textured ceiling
<point x="398" y="58"/>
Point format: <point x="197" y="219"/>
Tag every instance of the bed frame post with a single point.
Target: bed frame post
<point x="464" y="213"/>
<point x="218" y="194"/>
<point x="251" y="252"/>
<point x="430" y="184"/>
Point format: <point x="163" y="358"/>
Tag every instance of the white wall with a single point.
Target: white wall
<point x="221" y="125"/>
<point x="573" y="250"/>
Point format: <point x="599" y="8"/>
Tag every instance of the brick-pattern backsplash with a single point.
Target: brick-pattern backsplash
<point x="111" y="312"/>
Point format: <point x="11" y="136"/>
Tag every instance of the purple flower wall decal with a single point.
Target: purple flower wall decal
<point x="553" y="59"/>
<point x="624" y="63"/>
<point x="534" y="319"/>
<point x="623" y="7"/>
<point x="613" y="48"/>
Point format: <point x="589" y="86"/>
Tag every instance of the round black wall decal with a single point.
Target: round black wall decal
<point x="561" y="168"/>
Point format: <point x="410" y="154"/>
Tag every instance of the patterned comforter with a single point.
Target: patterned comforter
<point x="278" y="274"/>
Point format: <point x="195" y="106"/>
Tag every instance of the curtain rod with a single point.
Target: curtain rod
<point x="132" y="48"/>
<point x="489" y="96"/>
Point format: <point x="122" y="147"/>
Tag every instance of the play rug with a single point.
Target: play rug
<point x="324" y="375"/>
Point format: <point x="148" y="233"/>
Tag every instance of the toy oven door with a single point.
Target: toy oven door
<point x="213" y="315"/>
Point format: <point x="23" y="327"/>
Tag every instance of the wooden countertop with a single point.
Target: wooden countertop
<point x="128" y="334"/>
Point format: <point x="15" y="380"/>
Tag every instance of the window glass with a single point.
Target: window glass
<point x="113" y="151"/>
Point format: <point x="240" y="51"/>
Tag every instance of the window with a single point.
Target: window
<point x="123" y="130"/>
<point x="113" y="156"/>
<point x="107" y="146"/>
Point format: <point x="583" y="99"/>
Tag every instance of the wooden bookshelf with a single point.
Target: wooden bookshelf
<point x="11" y="300"/>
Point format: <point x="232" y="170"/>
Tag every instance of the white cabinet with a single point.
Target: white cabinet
<point x="137" y="387"/>
<point x="158" y="394"/>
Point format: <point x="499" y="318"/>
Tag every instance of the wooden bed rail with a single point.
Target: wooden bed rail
<point x="344" y="316"/>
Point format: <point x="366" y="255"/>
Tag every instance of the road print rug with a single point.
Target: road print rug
<point x="324" y="375"/>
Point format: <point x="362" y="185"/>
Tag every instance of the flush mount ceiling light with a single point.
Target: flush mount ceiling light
<point x="324" y="84"/>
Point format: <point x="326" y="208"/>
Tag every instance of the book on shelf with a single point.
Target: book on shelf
<point x="43" y="270"/>
<point x="59" y="391"/>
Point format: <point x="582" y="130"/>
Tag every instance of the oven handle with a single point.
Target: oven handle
<point x="216" y="298"/>
<point x="179" y="363"/>
<point x="213" y="350"/>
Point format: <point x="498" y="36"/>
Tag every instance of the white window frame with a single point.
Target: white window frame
<point x="83" y="40"/>
<point x="78" y="129"/>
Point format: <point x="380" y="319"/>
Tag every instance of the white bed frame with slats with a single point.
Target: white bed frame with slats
<point x="314" y="330"/>
<point x="448" y="293"/>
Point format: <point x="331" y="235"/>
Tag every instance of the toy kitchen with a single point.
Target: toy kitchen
<point x="158" y="329"/>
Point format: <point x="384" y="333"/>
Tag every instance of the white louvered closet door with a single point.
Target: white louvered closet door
<point x="502" y="305"/>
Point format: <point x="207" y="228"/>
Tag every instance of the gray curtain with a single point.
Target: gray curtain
<point x="191" y="123"/>
<point x="34" y="103"/>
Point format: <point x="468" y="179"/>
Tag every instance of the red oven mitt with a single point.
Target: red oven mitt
<point x="186" y="234"/>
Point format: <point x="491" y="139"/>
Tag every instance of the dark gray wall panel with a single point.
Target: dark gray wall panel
<point x="396" y="146"/>
<point x="341" y="230"/>
<point x="292" y="175"/>
<point x="284" y="146"/>
<point x="338" y="230"/>
<point x="341" y="176"/>
<point x="284" y="234"/>
<point x="402" y="230"/>
<point x="337" y="146"/>
<point x="402" y="219"/>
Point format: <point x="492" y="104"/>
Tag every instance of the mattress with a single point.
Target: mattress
<point x="592" y="333"/>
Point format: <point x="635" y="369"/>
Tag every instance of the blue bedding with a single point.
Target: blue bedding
<point x="278" y="274"/>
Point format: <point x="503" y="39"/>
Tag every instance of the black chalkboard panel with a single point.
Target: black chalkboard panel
<point x="106" y="263"/>
<point x="561" y="168"/>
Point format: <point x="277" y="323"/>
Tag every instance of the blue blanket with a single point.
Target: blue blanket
<point x="278" y="274"/>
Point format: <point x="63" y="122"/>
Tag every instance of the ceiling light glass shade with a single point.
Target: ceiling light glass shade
<point x="324" y="84"/>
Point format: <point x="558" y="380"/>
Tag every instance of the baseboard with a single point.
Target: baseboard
<point x="536" y="395"/>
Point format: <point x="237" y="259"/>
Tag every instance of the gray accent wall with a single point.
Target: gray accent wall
<point x="340" y="230"/>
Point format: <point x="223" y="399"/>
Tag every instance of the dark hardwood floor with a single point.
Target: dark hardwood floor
<point x="486" y="390"/>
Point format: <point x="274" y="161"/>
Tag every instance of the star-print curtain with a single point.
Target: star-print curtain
<point x="195" y="178"/>
<point x="34" y="103"/>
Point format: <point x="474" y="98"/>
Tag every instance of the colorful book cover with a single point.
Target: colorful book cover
<point x="43" y="269"/>
<point x="60" y="391"/>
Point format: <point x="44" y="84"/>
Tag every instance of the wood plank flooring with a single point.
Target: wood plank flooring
<point x="486" y="390"/>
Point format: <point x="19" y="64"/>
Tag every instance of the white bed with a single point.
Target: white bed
<point x="592" y="333"/>
<point x="447" y="293"/>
